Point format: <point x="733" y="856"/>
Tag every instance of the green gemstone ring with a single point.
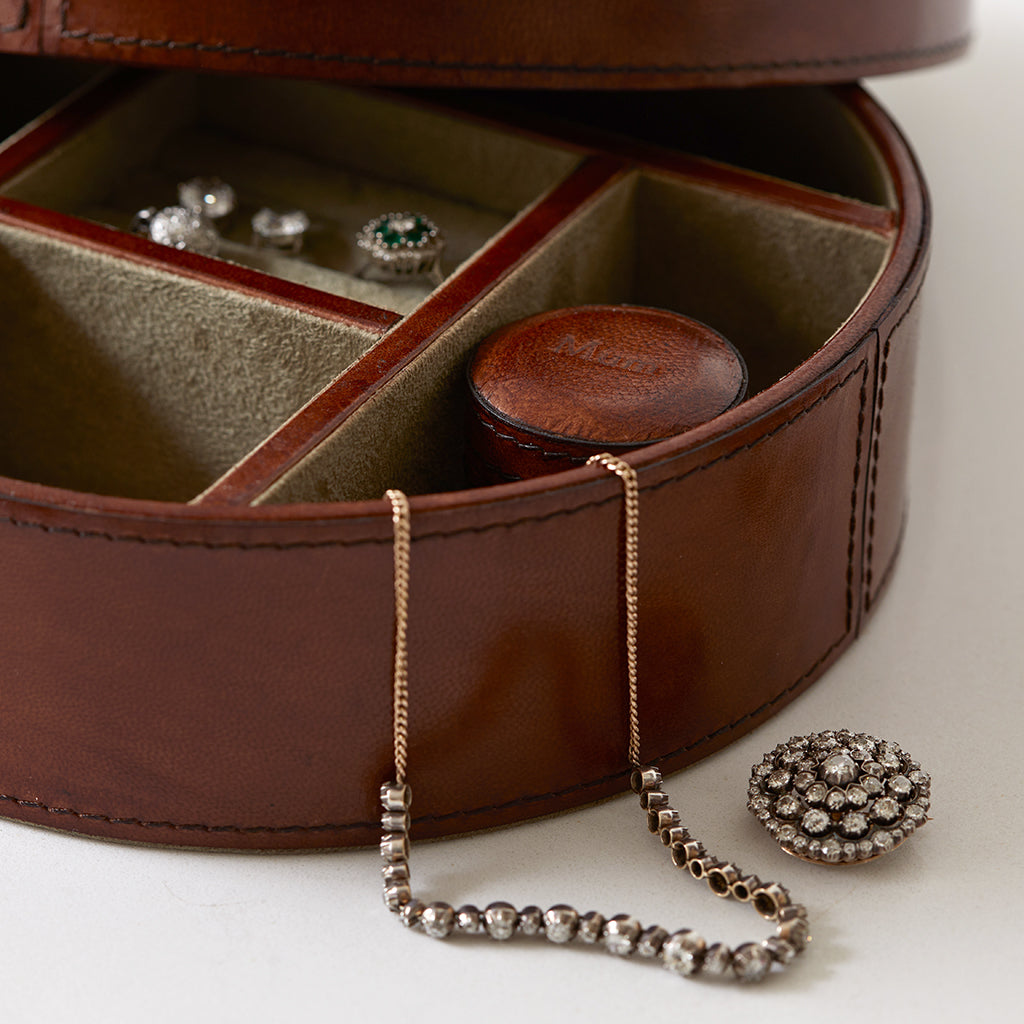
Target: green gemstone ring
<point x="402" y="246"/>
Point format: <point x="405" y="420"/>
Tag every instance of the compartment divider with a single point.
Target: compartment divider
<point x="254" y="283"/>
<point x="248" y="479"/>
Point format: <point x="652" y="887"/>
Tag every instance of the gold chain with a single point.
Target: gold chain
<point x="631" y="524"/>
<point x="631" y="527"/>
<point x="400" y="522"/>
<point x="684" y="952"/>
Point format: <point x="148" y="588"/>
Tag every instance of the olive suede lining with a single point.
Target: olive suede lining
<point x="121" y="379"/>
<point x="777" y="282"/>
<point x="342" y="155"/>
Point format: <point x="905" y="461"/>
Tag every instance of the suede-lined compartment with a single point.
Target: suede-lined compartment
<point x="119" y="379"/>
<point x="801" y="134"/>
<point x="776" y="281"/>
<point x="159" y="398"/>
<point x="40" y="85"/>
<point x="341" y="155"/>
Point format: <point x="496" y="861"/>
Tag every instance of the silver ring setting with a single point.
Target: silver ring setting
<point x="285" y="231"/>
<point x="402" y="246"/>
<point x="838" y="797"/>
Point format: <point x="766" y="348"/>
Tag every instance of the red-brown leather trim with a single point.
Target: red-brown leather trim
<point x="19" y="26"/>
<point x="129" y="826"/>
<point x="450" y="301"/>
<point x="13" y="16"/>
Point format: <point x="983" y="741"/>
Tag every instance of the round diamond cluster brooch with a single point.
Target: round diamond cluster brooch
<point x="838" y="797"/>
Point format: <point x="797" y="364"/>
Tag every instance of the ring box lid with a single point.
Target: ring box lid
<point x="608" y="374"/>
<point x="618" y="44"/>
<point x="550" y="390"/>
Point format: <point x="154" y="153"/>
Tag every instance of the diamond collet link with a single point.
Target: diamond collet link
<point x="683" y="952"/>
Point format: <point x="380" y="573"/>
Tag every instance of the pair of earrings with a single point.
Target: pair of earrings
<point x="205" y="203"/>
<point x="397" y="247"/>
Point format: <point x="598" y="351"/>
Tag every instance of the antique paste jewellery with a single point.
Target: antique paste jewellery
<point x="213" y="198"/>
<point x="684" y="952"/>
<point x="400" y="247"/>
<point x="285" y="231"/>
<point x="179" y="227"/>
<point x="190" y="224"/>
<point x="839" y="797"/>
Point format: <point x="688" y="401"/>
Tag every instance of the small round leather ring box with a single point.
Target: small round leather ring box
<point x="551" y="390"/>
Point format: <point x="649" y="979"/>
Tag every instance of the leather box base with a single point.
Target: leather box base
<point x="197" y="597"/>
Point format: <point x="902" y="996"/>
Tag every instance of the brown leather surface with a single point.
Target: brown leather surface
<point x="509" y="43"/>
<point x="555" y="388"/>
<point x="181" y="680"/>
<point x="221" y="676"/>
<point x="19" y="26"/>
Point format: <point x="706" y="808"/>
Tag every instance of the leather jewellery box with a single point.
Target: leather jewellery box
<point x="197" y="559"/>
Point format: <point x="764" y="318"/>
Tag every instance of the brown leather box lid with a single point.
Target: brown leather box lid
<point x="507" y="43"/>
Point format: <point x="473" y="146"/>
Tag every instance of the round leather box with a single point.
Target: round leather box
<point x="553" y="389"/>
<point x="210" y="664"/>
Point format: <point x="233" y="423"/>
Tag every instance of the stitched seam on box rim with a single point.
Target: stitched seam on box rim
<point x="883" y="580"/>
<point x="875" y="450"/>
<point x="22" y="20"/>
<point x="526" y="446"/>
<point x="349" y="826"/>
<point x="436" y="534"/>
<point x="92" y="36"/>
<point x="852" y="544"/>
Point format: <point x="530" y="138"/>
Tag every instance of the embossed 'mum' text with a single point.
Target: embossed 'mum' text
<point x="593" y="351"/>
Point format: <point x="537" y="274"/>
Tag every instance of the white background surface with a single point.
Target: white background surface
<point x="94" y="931"/>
